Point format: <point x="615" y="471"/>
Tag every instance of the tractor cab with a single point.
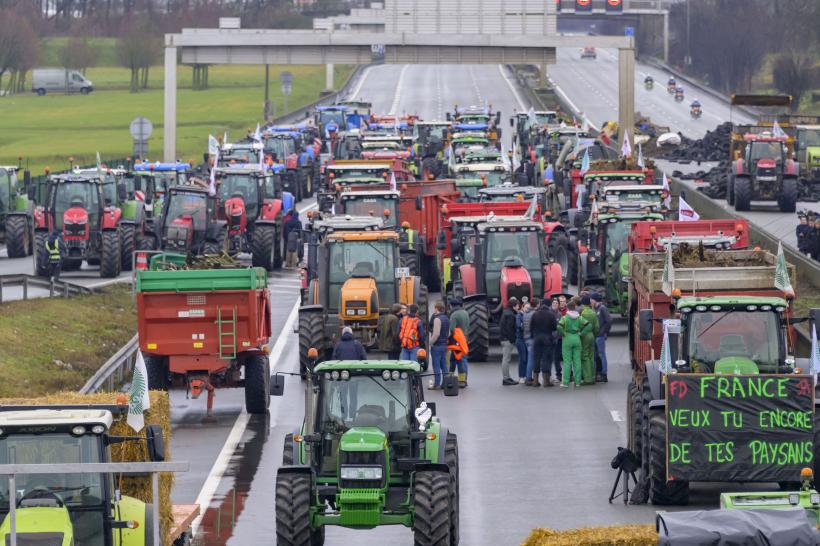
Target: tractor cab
<point x="469" y="185"/>
<point x="463" y="145"/>
<point x="348" y="145"/>
<point x="491" y="174"/>
<point x="331" y="119"/>
<point x="279" y="146"/>
<point x="430" y="136"/>
<point x="154" y="179"/>
<point x="508" y="192"/>
<point x="807" y="146"/>
<point x="382" y="204"/>
<point x="188" y="224"/>
<point x="63" y="509"/>
<point x="342" y="175"/>
<point x="240" y="152"/>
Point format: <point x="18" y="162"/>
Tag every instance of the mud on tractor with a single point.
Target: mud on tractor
<point x="370" y="452"/>
<point x="16" y="218"/>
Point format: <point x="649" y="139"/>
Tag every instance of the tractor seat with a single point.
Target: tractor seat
<point x="363" y="270"/>
<point x="732" y="345"/>
<point x="513" y="261"/>
<point x="369" y="416"/>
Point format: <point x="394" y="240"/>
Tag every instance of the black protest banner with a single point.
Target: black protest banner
<point x="738" y="427"/>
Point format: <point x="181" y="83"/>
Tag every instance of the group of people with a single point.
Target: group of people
<point x="808" y="234"/>
<point x="563" y="335"/>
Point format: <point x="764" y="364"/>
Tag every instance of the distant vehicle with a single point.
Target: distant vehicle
<point x="589" y="53"/>
<point x="59" y="80"/>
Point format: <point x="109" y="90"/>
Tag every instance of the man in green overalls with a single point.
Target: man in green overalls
<point x="588" y="341"/>
<point x="571" y="327"/>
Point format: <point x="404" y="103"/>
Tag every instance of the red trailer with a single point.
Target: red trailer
<point x="200" y="328"/>
<point x="714" y="234"/>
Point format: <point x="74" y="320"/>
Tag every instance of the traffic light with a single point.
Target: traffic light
<point x="614" y="6"/>
<point x="583" y="5"/>
<point x="557" y="6"/>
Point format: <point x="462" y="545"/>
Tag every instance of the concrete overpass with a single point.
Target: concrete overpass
<point x="257" y="46"/>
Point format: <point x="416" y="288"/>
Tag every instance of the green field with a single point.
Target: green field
<point x="47" y="130"/>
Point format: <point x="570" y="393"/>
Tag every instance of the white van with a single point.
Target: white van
<point x="59" y="80"/>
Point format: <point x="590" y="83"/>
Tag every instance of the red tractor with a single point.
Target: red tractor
<point x="88" y="228"/>
<point x="763" y="169"/>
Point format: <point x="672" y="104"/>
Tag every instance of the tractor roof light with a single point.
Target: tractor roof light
<point x="653" y="229"/>
<point x="79" y="430"/>
<point x="395" y="375"/>
<point x="386" y="375"/>
<point x="334" y="375"/>
<point x="345" y="375"/>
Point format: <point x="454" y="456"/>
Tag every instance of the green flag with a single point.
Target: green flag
<point x="781" y="271"/>
<point x="138" y="402"/>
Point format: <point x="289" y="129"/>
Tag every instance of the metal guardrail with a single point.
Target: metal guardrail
<point x="55" y="288"/>
<point x="116" y="370"/>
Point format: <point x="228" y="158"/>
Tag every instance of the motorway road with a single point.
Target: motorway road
<point x="529" y="457"/>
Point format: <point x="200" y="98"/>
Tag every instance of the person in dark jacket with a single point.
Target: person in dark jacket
<point x="348" y="347"/>
<point x="815" y="239"/>
<point x="520" y="344"/>
<point x="507" y="330"/>
<point x="439" y="334"/>
<point x="291" y="231"/>
<point x="803" y="233"/>
<point x="543" y="327"/>
<point x="389" y="333"/>
<point x="604" y="327"/>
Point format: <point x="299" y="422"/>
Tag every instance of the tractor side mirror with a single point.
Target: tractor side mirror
<point x="645" y="324"/>
<point x="512" y="122"/>
<point x="156" y="443"/>
<point x="122" y="191"/>
<point x="450" y="385"/>
<point x="277" y="385"/>
<point x="441" y="241"/>
<point x="418" y="202"/>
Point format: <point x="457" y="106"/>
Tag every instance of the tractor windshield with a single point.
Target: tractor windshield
<point x="280" y="148"/>
<point x="713" y="335"/>
<point x="503" y="245"/>
<point x="361" y="257"/>
<point x="371" y="206"/>
<point x="365" y="401"/>
<point x="616" y="236"/>
<point x="240" y="185"/>
<point x="188" y="205"/>
<point x="765" y="150"/>
<point x="332" y="116"/>
<point x="808" y="137"/>
<point x="82" y="194"/>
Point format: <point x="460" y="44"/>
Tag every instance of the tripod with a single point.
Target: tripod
<point x="626" y="463"/>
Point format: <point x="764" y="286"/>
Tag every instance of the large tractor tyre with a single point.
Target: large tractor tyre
<point x="110" y="254"/>
<point x="730" y="190"/>
<point x="788" y="195"/>
<point x="17" y="236"/>
<point x="147" y="242"/>
<point x="743" y="193"/>
<point x="458" y="289"/>
<point x="634" y="404"/>
<point x="257" y="384"/>
<point x="287" y="451"/>
<point x="572" y="267"/>
<point x="266" y="247"/>
<point x="431" y="501"/>
<point x="293" y="510"/>
<point x="41" y="254"/>
<point x="451" y="460"/>
<point x="311" y="335"/>
<point x="212" y="247"/>
<point x="557" y="248"/>
<point x="422" y="301"/>
<point x="411" y="261"/>
<point x="129" y="235"/>
<point x="662" y="492"/>
<point x="157" y="368"/>
<point x="478" y="335"/>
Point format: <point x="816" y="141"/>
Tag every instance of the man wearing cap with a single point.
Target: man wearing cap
<point x="507" y="328"/>
<point x="348" y="347"/>
<point x="588" y="341"/>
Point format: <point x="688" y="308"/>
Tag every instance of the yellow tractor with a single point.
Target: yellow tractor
<point x="352" y="278"/>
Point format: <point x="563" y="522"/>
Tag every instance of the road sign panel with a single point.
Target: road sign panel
<point x="141" y="128"/>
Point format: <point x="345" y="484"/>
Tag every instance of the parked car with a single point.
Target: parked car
<point x="59" y="80"/>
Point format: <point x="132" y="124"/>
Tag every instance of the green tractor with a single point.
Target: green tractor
<point x="807" y="147"/>
<point x="15" y="215"/>
<point x="370" y="452"/>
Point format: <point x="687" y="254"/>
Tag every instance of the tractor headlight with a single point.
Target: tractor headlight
<point x="361" y="473"/>
<point x="78" y="430"/>
<point x="386" y="375"/>
<point x="814" y="498"/>
<point x="98" y="429"/>
<point x="395" y="375"/>
<point x="362" y="311"/>
<point x="350" y="312"/>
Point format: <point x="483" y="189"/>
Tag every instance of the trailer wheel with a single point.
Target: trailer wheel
<point x="265" y="247"/>
<point x="730" y="190"/>
<point x="635" y="419"/>
<point x="257" y="384"/>
<point x="41" y="256"/>
<point x="157" y="368"/>
<point x="17" y="236"/>
<point x="431" y="502"/>
<point x="128" y="232"/>
<point x="311" y="334"/>
<point x="293" y="510"/>
<point x="110" y="254"/>
<point x="451" y="460"/>
<point x="557" y="248"/>
<point x="287" y="451"/>
<point x="478" y="335"/>
<point x="662" y="492"/>
<point x="788" y="195"/>
<point x="743" y="193"/>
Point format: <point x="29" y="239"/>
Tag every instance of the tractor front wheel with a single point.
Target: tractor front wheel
<point x="431" y="501"/>
<point x="311" y="335"/>
<point x="743" y="193"/>
<point x="41" y="254"/>
<point x="128" y="233"/>
<point x="730" y="190"/>
<point x="478" y="335"/>
<point x="661" y="491"/>
<point x="110" y="254"/>
<point x="788" y="195"/>
<point x="557" y="247"/>
<point x="293" y="511"/>
<point x="266" y="247"/>
<point x="634" y="402"/>
<point x="451" y="460"/>
<point x="157" y="368"/>
<point x="257" y="384"/>
<point x="17" y="236"/>
<point x="410" y="261"/>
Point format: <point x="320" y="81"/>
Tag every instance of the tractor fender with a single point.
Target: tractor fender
<point x="270" y="211"/>
<point x="443" y="433"/>
<point x="791" y="168"/>
<point x="111" y="217"/>
<point x="437" y="467"/>
<point x="296" y="469"/>
<point x="313" y="308"/>
<point x="474" y="297"/>
<point x="553" y="227"/>
<point x="468" y="281"/>
<point x="738" y="166"/>
<point x="552" y="279"/>
<point x="653" y="375"/>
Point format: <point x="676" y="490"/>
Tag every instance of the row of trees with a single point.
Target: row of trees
<point x="728" y="42"/>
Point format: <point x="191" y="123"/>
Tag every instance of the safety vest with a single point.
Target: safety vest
<point x="458" y="343"/>
<point x="410" y="234"/>
<point x="53" y="251"/>
<point x="409" y="332"/>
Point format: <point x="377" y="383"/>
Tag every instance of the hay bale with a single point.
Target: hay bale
<point x="613" y="535"/>
<point x="134" y="486"/>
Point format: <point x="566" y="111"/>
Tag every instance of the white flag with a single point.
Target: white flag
<point x="815" y="353"/>
<point x="516" y="162"/>
<point x="781" y="271"/>
<point x="99" y="165"/>
<point x="139" y="402"/>
<point x="685" y="212"/>
<point x="626" y="146"/>
<point x="778" y="131"/>
<point x="225" y="138"/>
<point x="261" y="159"/>
<point x="392" y="181"/>
<point x="531" y="115"/>
<point x="213" y="145"/>
<point x="257" y="136"/>
<point x="666" y="354"/>
<point x="585" y="163"/>
<point x="451" y="159"/>
<point x="641" y="163"/>
<point x="530" y="214"/>
<point x="579" y="201"/>
<point x="667" y="201"/>
<point x="668" y="280"/>
<point x="212" y="183"/>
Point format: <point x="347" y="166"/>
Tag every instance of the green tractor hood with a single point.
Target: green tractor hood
<point x="813" y="156"/>
<point x="363" y="439"/>
<point x="40" y="524"/>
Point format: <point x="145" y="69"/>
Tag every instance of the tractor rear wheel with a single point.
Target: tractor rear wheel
<point x="451" y="460"/>
<point x="743" y="193"/>
<point x="311" y="335"/>
<point x="634" y="403"/>
<point x="431" y="501"/>
<point x="17" y="236"/>
<point x="287" y="451"/>
<point x="128" y="233"/>
<point x="110" y="254"/>
<point x="211" y="247"/>
<point x="661" y="491"/>
<point x="157" y="368"/>
<point x="478" y="335"/>
<point x="572" y="267"/>
<point x="293" y="510"/>
<point x="730" y="190"/>
<point x="266" y="247"/>
<point x="422" y="300"/>
<point x="410" y="261"/>
<point x="41" y="255"/>
<point x="458" y="289"/>
<point x="557" y="248"/>
<point x="788" y="195"/>
<point x="257" y="384"/>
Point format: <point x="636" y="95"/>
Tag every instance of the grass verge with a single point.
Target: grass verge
<point x="49" y="345"/>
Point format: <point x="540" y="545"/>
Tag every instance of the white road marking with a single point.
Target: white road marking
<point x="616" y="416"/>
<point x="512" y="88"/>
<point x="355" y="94"/>
<point x="397" y="96"/>
<point x="206" y="494"/>
<point x="307" y="208"/>
<point x="571" y="104"/>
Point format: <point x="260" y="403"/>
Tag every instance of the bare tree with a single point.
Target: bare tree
<point x="137" y="50"/>
<point x="19" y="48"/>
<point x="793" y="75"/>
<point x="78" y="54"/>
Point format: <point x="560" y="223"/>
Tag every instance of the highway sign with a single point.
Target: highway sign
<point x="141" y="128"/>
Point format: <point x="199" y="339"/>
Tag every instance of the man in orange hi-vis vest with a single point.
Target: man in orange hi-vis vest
<point x="459" y="325"/>
<point x="411" y="334"/>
